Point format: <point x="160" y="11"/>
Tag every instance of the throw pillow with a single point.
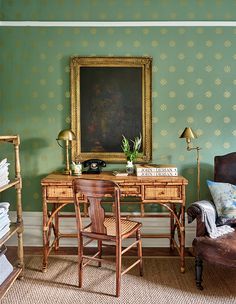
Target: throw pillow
<point x="224" y="197"/>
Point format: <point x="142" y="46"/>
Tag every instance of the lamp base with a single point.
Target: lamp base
<point x="66" y="172"/>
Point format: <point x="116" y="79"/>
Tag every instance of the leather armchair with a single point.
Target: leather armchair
<point x="221" y="250"/>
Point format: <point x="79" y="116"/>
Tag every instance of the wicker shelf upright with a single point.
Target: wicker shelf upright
<point x="17" y="226"/>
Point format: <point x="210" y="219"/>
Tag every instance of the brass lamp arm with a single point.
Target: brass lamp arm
<point x="198" y="168"/>
<point x="193" y="148"/>
<point x="188" y="134"/>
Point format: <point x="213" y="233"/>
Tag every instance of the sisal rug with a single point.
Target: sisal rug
<point x="162" y="283"/>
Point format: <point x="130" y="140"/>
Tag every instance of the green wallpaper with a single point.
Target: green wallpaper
<point x="194" y="85"/>
<point x="117" y="10"/>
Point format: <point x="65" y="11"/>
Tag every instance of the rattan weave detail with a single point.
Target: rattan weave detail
<point x="110" y="224"/>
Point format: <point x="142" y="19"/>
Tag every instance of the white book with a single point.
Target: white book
<point x="146" y="174"/>
<point x="167" y="174"/>
<point x="173" y="173"/>
<point x="166" y="169"/>
<point x="154" y="167"/>
<point x="156" y="170"/>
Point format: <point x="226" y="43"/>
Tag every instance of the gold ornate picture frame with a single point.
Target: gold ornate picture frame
<point x="110" y="97"/>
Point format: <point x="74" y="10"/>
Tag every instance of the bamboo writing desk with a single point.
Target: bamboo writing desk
<point x="168" y="191"/>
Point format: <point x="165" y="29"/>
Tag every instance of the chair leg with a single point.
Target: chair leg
<point x="198" y="272"/>
<point x="100" y="252"/>
<point x="80" y="260"/>
<point x="118" y="267"/>
<point x="140" y="255"/>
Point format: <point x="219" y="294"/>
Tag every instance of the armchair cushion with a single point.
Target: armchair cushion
<point x="221" y="250"/>
<point x="224" y="197"/>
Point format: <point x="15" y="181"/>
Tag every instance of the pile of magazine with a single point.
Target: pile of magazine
<point x="4" y="172"/>
<point x="5" y="265"/>
<point x="156" y="170"/>
<point x="4" y="218"/>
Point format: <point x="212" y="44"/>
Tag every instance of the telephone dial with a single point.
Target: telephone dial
<point x="94" y="165"/>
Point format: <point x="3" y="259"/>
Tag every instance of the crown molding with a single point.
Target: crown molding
<point x="117" y="23"/>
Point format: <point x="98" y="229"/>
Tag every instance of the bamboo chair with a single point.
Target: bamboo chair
<point x="110" y="229"/>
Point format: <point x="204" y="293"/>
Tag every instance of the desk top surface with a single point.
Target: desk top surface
<point x="58" y="177"/>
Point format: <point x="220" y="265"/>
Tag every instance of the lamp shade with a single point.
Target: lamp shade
<point x="188" y="134"/>
<point x="66" y="135"/>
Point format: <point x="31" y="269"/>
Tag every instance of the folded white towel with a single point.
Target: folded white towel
<point x="4" y="222"/>
<point x="4" y="231"/>
<point x="3" y="216"/>
<point x="4" y="207"/>
<point x="4" y="174"/>
<point x="4" y="182"/>
<point x="3" y="162"/>
<point x="5" y="268"/>
<point x="209" y="218"/>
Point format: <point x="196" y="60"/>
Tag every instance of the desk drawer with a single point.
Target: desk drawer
<point x="130" y="190"/>
<point x="60" y="192"/>
<point x="167" y="193"/>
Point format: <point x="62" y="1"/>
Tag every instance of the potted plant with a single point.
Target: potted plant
<point x="131" y="151"/>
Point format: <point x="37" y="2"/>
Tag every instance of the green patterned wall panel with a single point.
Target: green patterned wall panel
<point x="194" y="85"/>
<point x="118" y="10"/>
<point x="194" y="82"/>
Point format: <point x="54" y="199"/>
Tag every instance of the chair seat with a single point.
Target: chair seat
<point x="127" y="226"/>
<point x="221" y="250"/>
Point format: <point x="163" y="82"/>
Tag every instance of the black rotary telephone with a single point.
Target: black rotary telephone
<point x="94" y="165"/>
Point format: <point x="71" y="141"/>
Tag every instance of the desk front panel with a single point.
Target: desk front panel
<point x="149" y="189"/>
<point x="163" y="192"/>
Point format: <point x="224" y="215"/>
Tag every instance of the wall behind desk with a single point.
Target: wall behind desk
<point x="194" y="81"/>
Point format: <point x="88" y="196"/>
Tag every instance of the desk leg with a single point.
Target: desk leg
<point x="182" y="239"/>
<point x="45" y="231"/>
<point x="180" y="227"/>
<point x="56" y="230"/>
<point x="172" y="228"/>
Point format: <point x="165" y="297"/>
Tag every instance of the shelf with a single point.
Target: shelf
<point x="17" y="226"/>
<point x="10" y="185"/>
<point x="9" y="281"/>
<point x="13" y="229"/>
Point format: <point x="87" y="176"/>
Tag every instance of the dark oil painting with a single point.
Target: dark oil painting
<point x="110" y="105"/>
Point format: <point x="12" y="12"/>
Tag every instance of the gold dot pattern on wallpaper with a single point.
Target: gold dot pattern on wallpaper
<point x="122" y="10"/>
<point x="193" y="85"/>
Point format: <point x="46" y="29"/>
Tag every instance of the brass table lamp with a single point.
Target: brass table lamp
<point x="67" y="136"/>
<point x="188" y="134"/>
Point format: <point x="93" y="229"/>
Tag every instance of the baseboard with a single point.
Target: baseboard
<point x="107" y="251"/>
<point x="33" y="231"/>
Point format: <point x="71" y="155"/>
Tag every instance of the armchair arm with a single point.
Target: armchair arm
<point x="194" y="212"/>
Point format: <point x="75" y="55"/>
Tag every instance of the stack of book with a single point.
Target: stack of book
<point x="4" y="172"/>
<point x="156" y="170"/>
